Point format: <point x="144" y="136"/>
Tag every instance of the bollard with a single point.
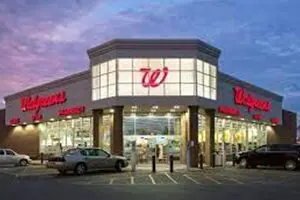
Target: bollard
<point x="233" y="159"/>
<point x="171" y="164"/>
<point x="214" y="160"/>
<point x="42" y="158"/>
<point x="153" y="164"/>
<point x="201" y="161"/>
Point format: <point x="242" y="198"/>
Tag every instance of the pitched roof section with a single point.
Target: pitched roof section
<point x="152" y="44"/>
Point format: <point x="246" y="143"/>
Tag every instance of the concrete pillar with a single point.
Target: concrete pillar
<point x="116" y="143"/>
<point x="193" y="135"/>
<point x="210" y="136"/>
<point x="184" y="136"/>
<point x="97" y="121"/>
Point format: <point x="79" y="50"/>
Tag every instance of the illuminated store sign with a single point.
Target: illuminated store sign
<point x="71" y="111"/>
<point x="228" y="110"/>
<point x="14" y="121"/>
<point x="38" y="102"/>
<point x="275" y="120"/>
<point x="241" y="97"/>
<point x="154" y="78"/>
<point x="257" y="116"/>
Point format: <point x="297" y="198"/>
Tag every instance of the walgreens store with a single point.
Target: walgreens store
<point x="166" y="95"/>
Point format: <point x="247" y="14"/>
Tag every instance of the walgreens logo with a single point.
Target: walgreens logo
<point x="37" y="102"/>
<point x="241" y="97"/>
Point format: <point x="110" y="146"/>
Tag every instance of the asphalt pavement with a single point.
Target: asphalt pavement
<point x="219" y="183"/>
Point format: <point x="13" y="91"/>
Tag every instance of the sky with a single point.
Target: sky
<point x="43" y="40"/>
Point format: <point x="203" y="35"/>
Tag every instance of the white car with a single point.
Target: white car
<point x="10" y="157"/>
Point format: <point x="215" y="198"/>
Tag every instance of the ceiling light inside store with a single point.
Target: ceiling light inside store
<point x="155" y="107"/>
<point x="172" y="110"/>
<point x="111" y="110"/>
<point x="176" y="107"/>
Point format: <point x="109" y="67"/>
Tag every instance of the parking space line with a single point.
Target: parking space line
<point x="211" y="179"/>
<point x="111" y="181"/>
<point x="132" y="180"/>
<point x="191" y="179"/>
<point x="152" y="179"/>
<point x="235" y="180"/>
<point x="167" y="175"/>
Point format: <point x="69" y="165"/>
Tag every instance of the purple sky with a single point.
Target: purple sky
<point x="42" y="40"/>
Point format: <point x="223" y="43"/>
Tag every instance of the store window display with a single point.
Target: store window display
<point x="65" y="134"/>
<point x="154" y="135"/>
<point x="233" y="136"/>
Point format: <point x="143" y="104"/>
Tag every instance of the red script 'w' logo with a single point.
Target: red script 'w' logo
<point x="154" y="78"/>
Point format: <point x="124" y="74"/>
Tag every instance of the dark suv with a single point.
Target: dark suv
<point x="281" y="155"/>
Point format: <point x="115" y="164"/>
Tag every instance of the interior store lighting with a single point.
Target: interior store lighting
<point x="176" y="107"/>
<point x="52" y="119"/>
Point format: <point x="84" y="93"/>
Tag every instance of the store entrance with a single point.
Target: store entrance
<point x="156" y="134"/>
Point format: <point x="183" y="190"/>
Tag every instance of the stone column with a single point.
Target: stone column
<point x="210" y="136"/>
<point x="193" y="135"/>
<point x="97" y="121"/>
<point x="116" y="143"/>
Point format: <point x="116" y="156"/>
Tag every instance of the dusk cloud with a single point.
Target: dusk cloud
<point x="259" y="40"/>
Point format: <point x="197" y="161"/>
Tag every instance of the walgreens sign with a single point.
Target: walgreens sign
<point x="37" y="102"/>
<point x="242" y="97"/>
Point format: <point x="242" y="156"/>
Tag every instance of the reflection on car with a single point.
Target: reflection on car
<point x="280" y="155"/>
<point x="81" y="160"/>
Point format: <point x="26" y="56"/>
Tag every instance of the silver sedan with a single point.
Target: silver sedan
<point x="81" y="160"/>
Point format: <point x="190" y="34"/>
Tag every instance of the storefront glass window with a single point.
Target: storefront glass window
<point x="173" y="64"/>
<point x="233" y="136"/>
<point x="69" y="133"/>
<point x="105" y="129"/>
<point x="180" y="80"/>
<point x="201" y="132"/>
<point x="153" y="135"/>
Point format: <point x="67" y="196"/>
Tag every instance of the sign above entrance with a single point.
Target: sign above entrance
<point x="71" y="111"/>
<point x="38" y="102"/>
<point x="229" y="111"/>
<point x="242" y="97"/>
<point x="154" y="78"/>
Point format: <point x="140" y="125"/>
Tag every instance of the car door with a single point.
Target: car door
<point x="10" y="157"/>
<point x="90" y="158"/>
<point x="260" y="155"/>
<point x="102" y="160"/>
<point x="2" y="157"/>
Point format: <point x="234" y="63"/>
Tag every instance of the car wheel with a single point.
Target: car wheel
<point x="23" y="162"/>
<point x="290" y="165"/>
<point x="243" y="163"/>
<point x="80" y="169"/>
<point x="119" y="166"/>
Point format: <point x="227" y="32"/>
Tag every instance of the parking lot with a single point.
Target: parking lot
<point x="216" y="176"/>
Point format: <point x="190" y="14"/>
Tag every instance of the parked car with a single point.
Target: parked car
<point x="81" y="160"/>
<point x="10" y="157"/>
<point x="280" y="155"/>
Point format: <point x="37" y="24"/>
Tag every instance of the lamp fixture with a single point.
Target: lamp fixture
<point x="176" y="107"/>
<point x="51" y="119"/>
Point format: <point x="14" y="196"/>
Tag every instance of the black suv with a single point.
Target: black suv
<point x="281" y="155"/>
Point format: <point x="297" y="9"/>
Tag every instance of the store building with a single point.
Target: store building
<point x="166" y="95"/>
